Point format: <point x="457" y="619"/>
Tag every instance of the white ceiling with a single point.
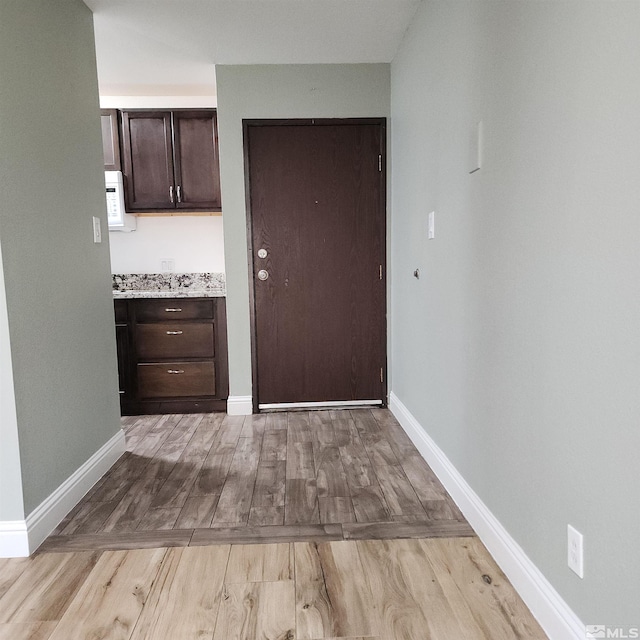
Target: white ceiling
<point x="170" y="47"/>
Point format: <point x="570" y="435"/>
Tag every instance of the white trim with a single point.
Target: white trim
<point x="46" y="517"/>
<point x="552" y="612"/>
<point x="158" y="102"/>
<point x="319" y="405"/>
<point x="240" y="405"/>
<point x="13" y="539"/>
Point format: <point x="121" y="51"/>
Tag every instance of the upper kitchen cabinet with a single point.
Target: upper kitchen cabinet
<point x="110" y="139"/>
<point x="171" y="160"/>
<point x="196" y="167"/>
<point x="148" y="160"/>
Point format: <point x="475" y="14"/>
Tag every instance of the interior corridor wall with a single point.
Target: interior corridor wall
<point x="518" y="349"/>
<point x="59" y="308"/>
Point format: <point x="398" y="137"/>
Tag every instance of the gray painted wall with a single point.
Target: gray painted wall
<point x="58" y="290"/>
<point x="276" y="91"/>
<point x="11" y="499"/>
<point x="518" y="350"/>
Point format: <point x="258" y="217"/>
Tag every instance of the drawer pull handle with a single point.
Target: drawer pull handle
<point x="170" y="310"/>
<point x="175" y="371"/>
<point x="174" y="333"/>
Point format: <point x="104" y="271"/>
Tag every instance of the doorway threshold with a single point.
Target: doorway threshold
<point x="337" y="404"/>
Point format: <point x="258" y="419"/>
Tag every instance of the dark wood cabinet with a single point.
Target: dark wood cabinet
<point x="176" y="379"/>
<point x="197" y="169"/>
<point x="176" y="355"/>
<point x="123" y="350"/>
<point x="175" y="340"/>
<point x="110" y="139"/>
<point x="171" y="160"/>
<point x="148" y="160"/>
<point x="174" y="309"/>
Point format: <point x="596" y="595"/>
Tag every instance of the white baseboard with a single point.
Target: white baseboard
<point x="23" y="537"/>
<point x="552" y="612"/>
<point x="13" y="539"/>
<point x="240" y="405"/>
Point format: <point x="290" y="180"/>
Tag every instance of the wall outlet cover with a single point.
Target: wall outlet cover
<point x="575" y="551"/>
<point x="167" y="265"/>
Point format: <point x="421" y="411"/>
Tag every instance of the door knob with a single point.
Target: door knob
<point x="263" y="274"/>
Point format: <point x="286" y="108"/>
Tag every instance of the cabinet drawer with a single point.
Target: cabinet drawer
<point x="174" y="309"/>
<point x="174" y="340"/>
<point x="176" y="380"/>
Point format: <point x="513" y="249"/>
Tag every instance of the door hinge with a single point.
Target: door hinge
<point x="381" y="375"/>
<point x="380" y="272"/>
<point x="379" y="162"/>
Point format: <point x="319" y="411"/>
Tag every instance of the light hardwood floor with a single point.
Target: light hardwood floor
<point x="212" y="478"/>
<point x="438" y="589"/>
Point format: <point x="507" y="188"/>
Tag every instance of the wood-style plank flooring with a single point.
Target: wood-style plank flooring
<point x="202" y="479"/>
<point x="411" y="589"/>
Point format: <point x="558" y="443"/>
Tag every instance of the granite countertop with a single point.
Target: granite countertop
<point x="194" y="293"/>
<point x="168" y="285"/>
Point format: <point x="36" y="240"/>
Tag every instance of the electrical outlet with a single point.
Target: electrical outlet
<point x="575" y="551"/>
<point x="167" y="265"/>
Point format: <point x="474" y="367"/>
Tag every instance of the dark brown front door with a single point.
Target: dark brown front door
<point x="317" y="212"/>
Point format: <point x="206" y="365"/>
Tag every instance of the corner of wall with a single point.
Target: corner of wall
<point x="14" y="541"/>
<point x="240" y="405"/>
<point x="44" y="518"/>
<point x="11" y="497"/>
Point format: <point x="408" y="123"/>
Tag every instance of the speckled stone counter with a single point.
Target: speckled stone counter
<point x="169" y="285"/>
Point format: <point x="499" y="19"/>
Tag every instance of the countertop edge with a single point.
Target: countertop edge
<point x="132" y="295"/>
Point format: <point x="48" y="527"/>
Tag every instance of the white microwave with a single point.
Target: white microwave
<point x="117" y="218"/>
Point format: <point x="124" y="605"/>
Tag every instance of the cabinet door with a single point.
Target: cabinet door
<point x="148" y="164"/>
<point x="110" y="139"/>
<point x="124" y="361"/>
<point x="197" y="168"/>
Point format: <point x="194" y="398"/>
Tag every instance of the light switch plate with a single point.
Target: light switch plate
<point x="97" y="230"/>
<point x="476" y="142"/>
<point x="432" y="225"/>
